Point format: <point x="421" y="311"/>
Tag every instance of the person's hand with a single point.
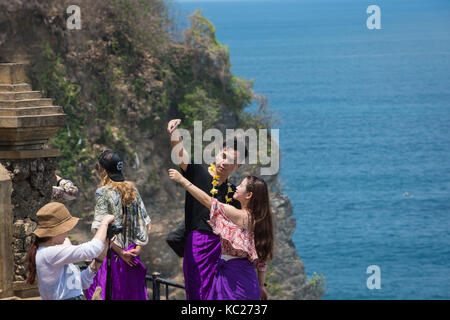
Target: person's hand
<point x="128" y="257"/>
<point x="109" y="218"/>
<point x="264" y="294"/>
<point x="175" y="175"/>
<point x="172" y="125"/>
<point x="136" y="250"/>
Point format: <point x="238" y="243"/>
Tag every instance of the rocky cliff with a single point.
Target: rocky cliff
<point x="120" y="79"/>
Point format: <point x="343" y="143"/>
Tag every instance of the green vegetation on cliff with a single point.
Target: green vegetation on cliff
<point x="136" y="81"/>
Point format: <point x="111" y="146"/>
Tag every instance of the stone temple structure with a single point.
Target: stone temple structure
<point x="27" y="171"/>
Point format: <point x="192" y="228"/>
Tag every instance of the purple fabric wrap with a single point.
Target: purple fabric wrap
<point x="235" y="279"/>
<point x="128" y="283"/>
<point x="201" y="254"/>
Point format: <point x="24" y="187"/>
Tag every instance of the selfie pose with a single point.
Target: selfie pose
<point x="51" y="256"/>
<point x="121" y="198"/>
<point x="246" y="239"/>
<point x="195" y="240"/>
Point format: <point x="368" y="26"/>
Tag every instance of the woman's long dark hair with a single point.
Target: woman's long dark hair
<point x="259" y="206"/>
<point x="31" y="259"/>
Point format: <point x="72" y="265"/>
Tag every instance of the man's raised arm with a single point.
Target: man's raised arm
<point x="175" y="139"/>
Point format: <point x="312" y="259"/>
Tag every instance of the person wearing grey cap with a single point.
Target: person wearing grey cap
<point x="121" y="198"/>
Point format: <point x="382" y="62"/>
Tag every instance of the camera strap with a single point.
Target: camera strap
<point x="124" y="211"/>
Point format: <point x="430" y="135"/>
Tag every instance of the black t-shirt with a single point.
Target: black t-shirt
<point x="196" y="214"/>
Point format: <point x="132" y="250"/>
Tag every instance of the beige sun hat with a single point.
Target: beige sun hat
<point x="54" y="219"/>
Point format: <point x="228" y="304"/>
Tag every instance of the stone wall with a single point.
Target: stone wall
<point x="22" y="235"/>
<point x="32" y="181"/>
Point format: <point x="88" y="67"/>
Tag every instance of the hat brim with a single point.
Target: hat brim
<point x="117" y="177"/>
<point x="57" y="230"/>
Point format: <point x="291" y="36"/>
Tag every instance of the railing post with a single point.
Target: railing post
<point x="157" y="281"/>
<point x="156" y="286"/>
<point x="167" y="291"/>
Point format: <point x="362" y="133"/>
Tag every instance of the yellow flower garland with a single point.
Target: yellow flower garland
<point x="215" y="182"/>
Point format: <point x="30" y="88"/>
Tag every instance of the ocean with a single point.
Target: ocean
<point x="364" y="133"/>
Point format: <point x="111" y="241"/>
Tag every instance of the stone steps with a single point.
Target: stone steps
<point x="19" y="87"/>
<point x="48" y="120"/>
<point x="27" y="120"/>
<point x="32" y="121"/>
<point x="25" y="103"/>
<point x="20" y="95"/>
<point x="31" y="111"/>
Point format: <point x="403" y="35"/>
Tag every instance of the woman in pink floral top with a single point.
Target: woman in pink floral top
<point x="246" y="238"/>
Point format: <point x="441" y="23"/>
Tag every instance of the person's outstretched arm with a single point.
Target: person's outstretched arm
<point x="65" y="254"/>
<point x="196" y="192"/>
<point x="103" y="228"/>
<point x="236" y="215"/>
<point x="175" y="140"/>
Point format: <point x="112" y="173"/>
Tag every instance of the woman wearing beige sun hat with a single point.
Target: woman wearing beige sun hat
<point x="51" y="256"/>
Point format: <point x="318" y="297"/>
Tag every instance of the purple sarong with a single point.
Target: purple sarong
<point x="201" y="254"/>
<point x="128" y="283"/>
<point x="235" y="279"/>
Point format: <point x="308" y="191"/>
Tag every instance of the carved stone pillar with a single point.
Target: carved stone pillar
<point x="27" y="122"/>
<point x="6" y="257"/>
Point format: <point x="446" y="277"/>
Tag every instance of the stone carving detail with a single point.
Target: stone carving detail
<point x="32" y="182"/>
<point x="23" y="238"/>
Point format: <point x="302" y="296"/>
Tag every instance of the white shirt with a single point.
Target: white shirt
<point x="58" y="277"/>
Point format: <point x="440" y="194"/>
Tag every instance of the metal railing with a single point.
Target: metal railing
<point x="157" y="281"/>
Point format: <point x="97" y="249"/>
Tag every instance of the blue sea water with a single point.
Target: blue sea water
<point x="365" y="119"/>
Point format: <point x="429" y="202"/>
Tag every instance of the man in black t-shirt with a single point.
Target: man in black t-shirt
<point x="201" y="246"/>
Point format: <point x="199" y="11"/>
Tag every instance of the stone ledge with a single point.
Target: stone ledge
<point x="33" y="121"/>
<point x="30" y="111"/>
<point x="30" y="154"/>
<point x="18" y="87"/>
<point x="22" y="95"/>
<point x="18" y="298"/>
<point x="36" y="102"/>
<point x="23" y="290"/>
<point x="12" y="73"/>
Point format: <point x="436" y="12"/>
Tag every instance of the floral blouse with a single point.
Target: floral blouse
<point x="235" y="241"/>
<point x="108" y="201"/>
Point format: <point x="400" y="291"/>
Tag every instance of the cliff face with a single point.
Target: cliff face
<point x="288" y="269"/>
<point x="119" y="80"/>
